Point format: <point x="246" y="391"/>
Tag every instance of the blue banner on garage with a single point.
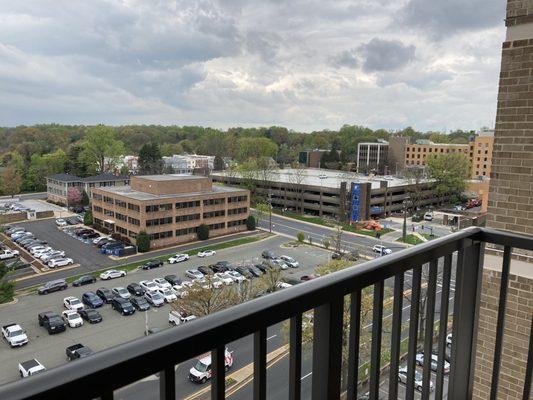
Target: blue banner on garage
<point x="356" y="195"/>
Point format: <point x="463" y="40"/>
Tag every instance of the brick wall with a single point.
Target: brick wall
<point x="516" y="336"/>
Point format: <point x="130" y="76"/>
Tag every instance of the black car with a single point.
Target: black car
<point x="152" y="264"/>
<point x="84" y="280"/>
<point x="90" y="299"/>
<point x="254" y="271"/>
<point x="244" y="272"/>
<point x="140" y="303"/>
<point x="78" y="351"/>
<point x="72" y="221"/>
<point x="263" y="267"/>
<point x="135" y="289"/>
<point x="173" y="280"/>
<point x="52" y="322"/>
<point x="53" y="286"/>
<point x="16" y="263"/>
<point x="123" y="306"/>
<point x="91" y="316"/>
<point x="205" y="270"/>
<point x="82" y="231"/>
<point x="91" y="235"/>
<point x="268" y="255"/>
<point x="105" y="294"/>
<point x="104" y="241"/>
<point x="222" y="266"/>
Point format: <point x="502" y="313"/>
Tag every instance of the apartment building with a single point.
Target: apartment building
<point x="372" y="156"/>
<point x="189" y="163"/>
<point x="170" y="208"/>
<point x="417" y="153"/>
<point x="481" y="149"/>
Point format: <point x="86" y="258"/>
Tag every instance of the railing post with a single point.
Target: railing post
<point x="465" y="321"/>
<point x="327" y="350"/>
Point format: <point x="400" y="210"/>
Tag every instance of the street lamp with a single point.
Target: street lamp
<point x="321" y="177"/>
<point x="404" y="231"/>
<point x="270" y="209"/>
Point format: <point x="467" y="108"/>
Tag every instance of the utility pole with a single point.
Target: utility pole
<point x="404" y="231"/>
<point x="270" y="208"/>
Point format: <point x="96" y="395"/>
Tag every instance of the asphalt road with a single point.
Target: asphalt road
<point x="115" y="329"/>
<point x="290" y="227"/>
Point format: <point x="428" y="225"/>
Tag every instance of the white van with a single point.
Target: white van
<point x="177" y="318"/>
<point x="201" y="372"/>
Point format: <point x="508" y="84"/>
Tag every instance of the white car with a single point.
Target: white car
<point x="291" y="262"/>
<point x="52" y="254"/>
<point x="177" y="318"/>
<point x="99" y="239"/>
<point x="209" y="283"/>
<point x="119" y="291"/>
<point x="237" y="277"/>
<point x="5" y="254"/>
<point x="428" y="217"/>
<point x="379" y="248"/>
<point x="37" y="249"/>
<point x="402" y="377"/>
<point x="30" y="367"/>
<point x="206" y="253"/>
<point x="224" y="278"/>
<point x="39" y="253"/>
<point x="154" y="298"/>
<point x="194" y="274"/>
<point x="112" y="274"/>
<point x="73" y="303"/>
<point x="72" y="318"/>
<point x="449" y="340"/>
<point x="180" y="291"/>
<point x="178" y="258"/>
<point x="162" y="283"/>
<point x="434" y="362"/>
<point x="149" y="286"/>
<point x="278" y="262"/>
<point x="167" y="294"/>
<point x="60" y="262"/>
<point x="283" y="285"/>
<point x="15" y="335"/>
<point x="61" y="222"/>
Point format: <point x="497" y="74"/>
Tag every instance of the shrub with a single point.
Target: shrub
<point x="300" y="236"/>
<point x="250" y="223"/>
<point x="88" y="218"/>
<point x="326" y="243"/>
<point x="143" y="242"/>
<point x="203" y="232"/>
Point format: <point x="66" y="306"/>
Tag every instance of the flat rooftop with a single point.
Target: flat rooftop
<point x="170" y="177"/>
<point x="130" y="193"/>
<point x="328" y="178"/>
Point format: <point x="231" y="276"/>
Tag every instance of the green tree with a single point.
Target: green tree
<point x="42" y="166"/>
<point x="143" y="242"/>
<point x="84" y="199"/>
<point x="218" y="163"/>
<point x="203" y="232"/>
<point x="300" y="236"/>
<point x="88" y="218"/>
<point x="7" y="287"/>
<point x="261" y="210"/>
<point x="449" y="171"/>
<point x="255" y="147"/>
<point x="250" y="223"/>
<point x="10" y="181"/>
<point x="101" y="150"/>
<point x="150" y="160"/>
<point x="169" y="149"/>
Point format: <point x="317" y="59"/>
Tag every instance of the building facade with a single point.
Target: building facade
<point x="189" y="163"/>
<point x="481" y="150"/>
<point x="58" y="185"/>
<point x="170" y="208"/>
<point x="372" y="157"/>
<point x="311" y="158"/>
<point x="416" y="154"/>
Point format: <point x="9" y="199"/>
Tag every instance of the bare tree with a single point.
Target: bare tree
<point x="415" y="175"/>
<point x="296" y="178"/>
<point x="204" y="299"/>
<point x="270" y="279"/>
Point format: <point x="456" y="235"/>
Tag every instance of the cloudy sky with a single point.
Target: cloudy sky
<point x="304" y="64"/>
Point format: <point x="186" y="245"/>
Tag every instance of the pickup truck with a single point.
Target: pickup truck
<point x="52" y="322"/>
<point x="30" y="367"/>
<point x="77" y="351"/>
<point x="177" y="318"/>
<point x="8" y="253"/>
<point x="15" y="335"/>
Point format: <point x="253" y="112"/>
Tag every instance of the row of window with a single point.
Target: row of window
<point x="236" y="199"/>
<point x="188" y="204"/>
<point x="431" y="150"/>
<point x="120" y="203"/>
<point x="214" y="214"/>
<point x="189" y="217"/>
<point x="186" y="231"/>
<point x="214" y="227"/>
<point x="159" y="207"/>
<point x="98" y="209"/>
<point x="161" y="235"/>
<point x="214" y="202"/>
<point x="109" y="213"/>
<point x="159" y="221"/>
<point x="237" y="211"/>
<point x="134" y="221"/>
<point x="97" y="196"/>
<point x="121" y="217"/>
<point x="236" y="223"/>
<point x="121" y="230"/>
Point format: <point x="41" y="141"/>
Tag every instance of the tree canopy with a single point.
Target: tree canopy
<point x="449" y="171"/>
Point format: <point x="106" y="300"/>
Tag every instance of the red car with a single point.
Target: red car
<point x="309" y="277"/>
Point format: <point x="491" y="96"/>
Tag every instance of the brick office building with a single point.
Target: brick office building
<point x="511" y="208"/>
<point x="170" y="208"/>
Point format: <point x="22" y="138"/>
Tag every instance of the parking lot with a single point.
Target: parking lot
<point x="116" y="329"/>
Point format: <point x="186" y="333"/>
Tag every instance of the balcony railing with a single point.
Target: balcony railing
<point x="104" y="372"/>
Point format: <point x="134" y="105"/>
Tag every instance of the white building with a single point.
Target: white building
<point x="130" y="162"/>
<point x="188" y="163"/>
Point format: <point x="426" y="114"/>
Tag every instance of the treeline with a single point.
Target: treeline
<point x="40" y="150"/>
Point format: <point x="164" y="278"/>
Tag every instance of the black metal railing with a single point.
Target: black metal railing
<point x="99" y="375"/>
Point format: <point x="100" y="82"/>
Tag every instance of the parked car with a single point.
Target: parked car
<point x="201" y="372"/>
<point x="38" y="249"/>
<point x="224" y="278"/>
<point x="162" y="283"/>
<point x="449" y="340"/>
<point x="194" y="274"/>
<point x="434" y="362"/>
<point x="72" y="318"/>
<point x="206" y="253"/>
<point x="73" y="303"/>
<point x="237" y="277"/>
<point x="84" y="280"/>
<point x="90" y="299"/>
<point x="52" y="322"/>
<point x="222" y="266"/>
<point x="61" y="222"/>
<point x="123" y="306"/>
<point x="105" y="294"/>
<point x="100" y="239"/>
<point x="244" y="272"/>
<point x="112" y="274"/>
<point x="14" y="335"/>
<point x="140" y="303"/>
<point x="309" y="277"/>
<point x="173" y="279"/>
<point x="152" y="264"/>
<point x="402" y="377"/>
<point x="78" y="351"/>
<point x="53" y="286"/>
<point x="379" y="248"/>
<point x="6" y="254"/>
<point x="135" y="289"/>
<point x="91" y="316"/>
<point x="14" y="264"/>
<point x="119" y="291"/>
<point x="30" y="368"/>
<point x="279" y="263"/>
<point x="178" y="258"/>
<point x="268" y="254"/>
<point x="60" y="262"/>
<point x="148" y="286"/>
<point x="291" y="262"/>
<point x="154" y="298"/>
<point x="428" y="217"/>
<point x="205" y="270"/>
<point x="254" y="271"/>
<point x="51" y="255"/>
<point x="14" y="229"/>
<point x="168" y="295"/>
<point x="179" y="317"/>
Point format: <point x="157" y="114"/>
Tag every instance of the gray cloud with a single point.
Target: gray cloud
<point x="347" y="59"/>
<point x="386" y="55"/>
<point x="448" y="17"/>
